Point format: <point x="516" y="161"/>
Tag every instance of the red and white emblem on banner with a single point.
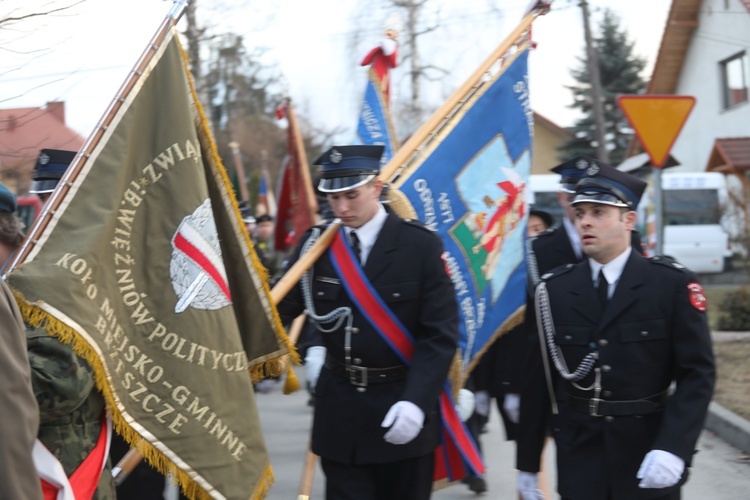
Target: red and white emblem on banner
<point x="697" y="297"/>
<point x="196" y="267"/>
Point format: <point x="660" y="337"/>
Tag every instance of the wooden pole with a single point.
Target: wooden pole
<point x="299" y="146"/>
<point x="76" y="166"/>
<point x="294" y="274"/>
<point x="405" y="153"/>
<point x="240" y="169"/>
<point x="414" y="146"/>
<point x="308" y="473"/>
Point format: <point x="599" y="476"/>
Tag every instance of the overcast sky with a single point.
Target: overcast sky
<point x="82" y="55"/>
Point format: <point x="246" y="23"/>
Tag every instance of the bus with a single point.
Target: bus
<point x="694" y="204"/>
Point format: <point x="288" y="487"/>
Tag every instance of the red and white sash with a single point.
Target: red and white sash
<point x="84" y="480"/>
<point x="457" y="447"/>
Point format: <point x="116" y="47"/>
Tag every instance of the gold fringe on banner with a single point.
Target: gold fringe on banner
<point x="269" y="368"/>
<point x="38" y="318"/>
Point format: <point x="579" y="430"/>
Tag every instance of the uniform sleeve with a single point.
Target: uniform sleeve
<point x="20" y="421"/>
<point x="694" y="374"/>
<point x="437" y="337"/>
<point x="61" y="379"/>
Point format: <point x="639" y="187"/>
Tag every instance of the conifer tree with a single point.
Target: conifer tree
<point x="620" y="70"/>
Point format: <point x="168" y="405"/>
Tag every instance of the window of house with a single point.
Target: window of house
<point x="735" y="73"/>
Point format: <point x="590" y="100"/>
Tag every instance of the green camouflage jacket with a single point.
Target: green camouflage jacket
<point x="70" y="406"/>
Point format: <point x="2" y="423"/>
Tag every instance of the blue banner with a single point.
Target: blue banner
<point x="375" y="127"/>
<point x="471" y="189"/>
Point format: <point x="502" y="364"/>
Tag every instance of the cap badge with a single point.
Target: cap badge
<point x="336" y="157"/>
<point x="593" y="170"/>
<point x="582" y="164"/>
<point x="43" y="159"/>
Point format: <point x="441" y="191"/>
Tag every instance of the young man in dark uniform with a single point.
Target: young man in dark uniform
<point x="376" y="422"/>
<point x="618" y="330"/>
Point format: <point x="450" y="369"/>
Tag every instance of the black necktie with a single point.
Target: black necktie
<point x="603" y="289"/>
<point x="355" y="246"/>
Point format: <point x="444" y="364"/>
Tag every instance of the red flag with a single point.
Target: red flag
<point x="382" y="59"/>
<point x="297" y="206"/>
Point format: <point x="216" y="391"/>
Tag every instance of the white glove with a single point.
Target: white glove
<point x="482" y="401"/>
<point x="512" y="406"/>
<point x="314" y="359"/>
<point x="660" y="469"/>
<point x="465" y="404"/>
<point x="528" y="486"/>
<point x="405" y="420"/>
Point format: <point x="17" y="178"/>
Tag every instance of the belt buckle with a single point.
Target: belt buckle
<point x="357" y="375"/>
<point x="594" y="407"/>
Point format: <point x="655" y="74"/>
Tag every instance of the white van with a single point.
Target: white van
<point x="694" y="203"/>
<point x="693" y="207"/>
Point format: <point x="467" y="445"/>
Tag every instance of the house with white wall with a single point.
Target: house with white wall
<point x="705" y="53"/>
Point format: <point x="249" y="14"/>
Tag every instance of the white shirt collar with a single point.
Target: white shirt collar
<point x="369" y="231"/>
<point x="613" y="269"/>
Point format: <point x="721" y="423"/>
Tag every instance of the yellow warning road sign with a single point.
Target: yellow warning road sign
<point x="657" y="121"/>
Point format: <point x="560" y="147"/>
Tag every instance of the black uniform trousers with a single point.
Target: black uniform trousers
<point x="409" y="479"/>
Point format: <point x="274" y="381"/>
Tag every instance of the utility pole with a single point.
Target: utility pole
<point x="592" y="63"/>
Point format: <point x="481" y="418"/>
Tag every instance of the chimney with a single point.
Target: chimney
<point x="57" y="110"/>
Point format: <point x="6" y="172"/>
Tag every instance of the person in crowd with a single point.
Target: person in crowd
<point x="248" y="218"/>
<point x="11" y="227"/>
<point x="73" y="425"/>
<point x="499" y="371"/>
<point x="376" y="419"/>
<point x="20" y="422"/>
<point x="625" y="349"/>
<point x="264" y="247"/>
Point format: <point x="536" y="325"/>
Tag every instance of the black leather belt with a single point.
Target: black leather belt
<point x="361" y="376"/>
<point x="603" y="408"/>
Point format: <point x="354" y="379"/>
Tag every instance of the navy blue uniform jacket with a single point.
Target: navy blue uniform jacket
<point x="406" y="269"/>
<point x="649" y="336"/>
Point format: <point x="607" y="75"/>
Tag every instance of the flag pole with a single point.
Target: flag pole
<point x="417" y="143"/>
<point x="312" y="202"/>
<point x="410" y="150"/>
<point x="173" y="16"/>
<point x="240" y="169"/>
<point x="133" y="457"/>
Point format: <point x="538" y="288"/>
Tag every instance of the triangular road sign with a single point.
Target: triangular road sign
<point x="657" y="120"/>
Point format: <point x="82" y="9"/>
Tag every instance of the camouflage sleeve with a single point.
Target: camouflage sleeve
<point x="62" y="381"/>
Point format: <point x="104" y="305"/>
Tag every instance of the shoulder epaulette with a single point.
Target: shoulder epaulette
<point x="667" y="262"/>
<point x="558" y="271"/>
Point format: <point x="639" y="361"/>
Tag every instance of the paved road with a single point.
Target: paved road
<point x="720" y="472"/>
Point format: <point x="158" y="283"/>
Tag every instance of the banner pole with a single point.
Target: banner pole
<point x="240" y="169"/>
<point x="414" y="144"/>
<point x="312" y="202"/>
<point x="175" y="13"/>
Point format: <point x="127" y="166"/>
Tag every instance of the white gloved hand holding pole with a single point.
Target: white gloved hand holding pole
<point x="512" y="406"/>
<point x="405" y="420"/>
<point x="660" y="469"/>
<point x="314" y="359"/>
<point x="528" y="486"/>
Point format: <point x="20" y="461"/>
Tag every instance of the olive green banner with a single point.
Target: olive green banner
<point x="147" y="269"/>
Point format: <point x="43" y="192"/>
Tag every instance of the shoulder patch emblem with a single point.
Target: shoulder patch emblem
<point x="697" y="297"/>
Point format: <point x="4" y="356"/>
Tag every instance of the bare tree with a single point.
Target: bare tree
<point x="16" y="16"/>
